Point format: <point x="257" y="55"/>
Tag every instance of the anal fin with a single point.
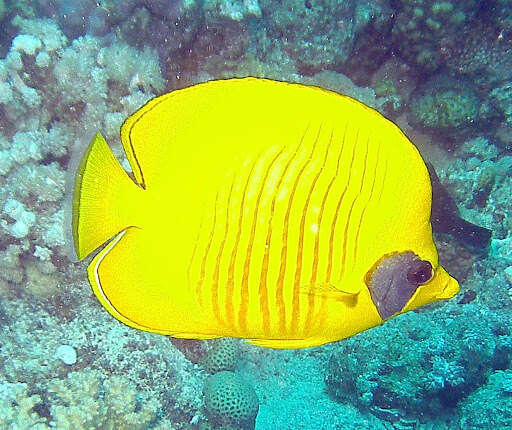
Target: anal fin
<point x="198" y="336"/>
<point x="288" y="343"/>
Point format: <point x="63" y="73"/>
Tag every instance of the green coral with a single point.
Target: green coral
<point x="385" y="87"/>
<point x="222" y="356"/>
<point x="2" y="9"/>
<point x="445" y="104"/>
<point x="230" y="402"/>
<point x="421" y="25"/>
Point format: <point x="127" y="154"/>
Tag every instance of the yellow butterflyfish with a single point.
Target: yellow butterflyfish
<point x="284" y="214"/>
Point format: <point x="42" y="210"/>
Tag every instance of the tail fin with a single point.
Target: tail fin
<point x="104" y="198"/>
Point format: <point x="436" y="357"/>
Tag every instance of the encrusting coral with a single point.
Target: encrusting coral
<point x="421" y="26"/>
<point x="318" y="35"/>
<point x="89" y="399"/>
<point x="84" y="400"/>
<point x="445" y="104"/>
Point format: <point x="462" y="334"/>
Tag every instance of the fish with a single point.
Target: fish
<point x="280" y="213"/>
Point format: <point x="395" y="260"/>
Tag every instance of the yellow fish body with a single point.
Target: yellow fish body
<point x="262" y="210"/>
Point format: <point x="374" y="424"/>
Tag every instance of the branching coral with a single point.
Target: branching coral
<point x="90" y="400"/>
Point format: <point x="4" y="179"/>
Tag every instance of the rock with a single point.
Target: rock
<point x="66" y="354"/>
<point x="508" y="274"/>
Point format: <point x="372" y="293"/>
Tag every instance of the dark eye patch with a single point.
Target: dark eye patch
<point x="395" y="279"/>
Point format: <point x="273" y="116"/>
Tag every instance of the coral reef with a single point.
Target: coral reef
<point x="233" y="10"/>
<point x="319" y="34"/>
<point x="69" y="68"/>
<point x="83" y="400"/>
<point x="479" y="178"/>
<point x="17" y="407"/>
<point x="90" y="399"/>
<point x="422" y="25"/>
<point x="425" y="364"/>
<point x="120" y="378"/>
<point x="54" y="92"/>
<point x="501" y="99"/>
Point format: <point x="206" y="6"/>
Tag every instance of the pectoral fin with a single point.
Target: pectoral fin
<point x="333" y="290"/>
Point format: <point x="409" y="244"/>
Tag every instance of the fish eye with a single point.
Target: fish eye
<point x="420" y="273"/>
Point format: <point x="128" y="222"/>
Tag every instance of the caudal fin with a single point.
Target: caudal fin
<point x="104" y="200"/>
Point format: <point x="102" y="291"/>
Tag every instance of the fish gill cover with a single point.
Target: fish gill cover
<point x="441" y="70"/>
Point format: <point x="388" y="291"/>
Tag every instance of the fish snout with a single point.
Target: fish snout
<point x="450" y="286"/>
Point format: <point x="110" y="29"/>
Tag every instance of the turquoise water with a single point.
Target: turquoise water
<point x="442" y="71"/>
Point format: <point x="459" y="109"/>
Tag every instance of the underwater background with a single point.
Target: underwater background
<point x="442" y="70"/>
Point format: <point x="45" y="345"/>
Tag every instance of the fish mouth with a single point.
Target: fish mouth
<point x="450" y="289"/>
<point x="444" y="287"/>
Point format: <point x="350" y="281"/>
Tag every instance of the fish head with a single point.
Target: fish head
<point x="441" y="286"/>
<point x="402" y="281"/>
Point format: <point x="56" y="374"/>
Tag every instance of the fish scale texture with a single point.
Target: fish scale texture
<point x="230" y="401"/>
